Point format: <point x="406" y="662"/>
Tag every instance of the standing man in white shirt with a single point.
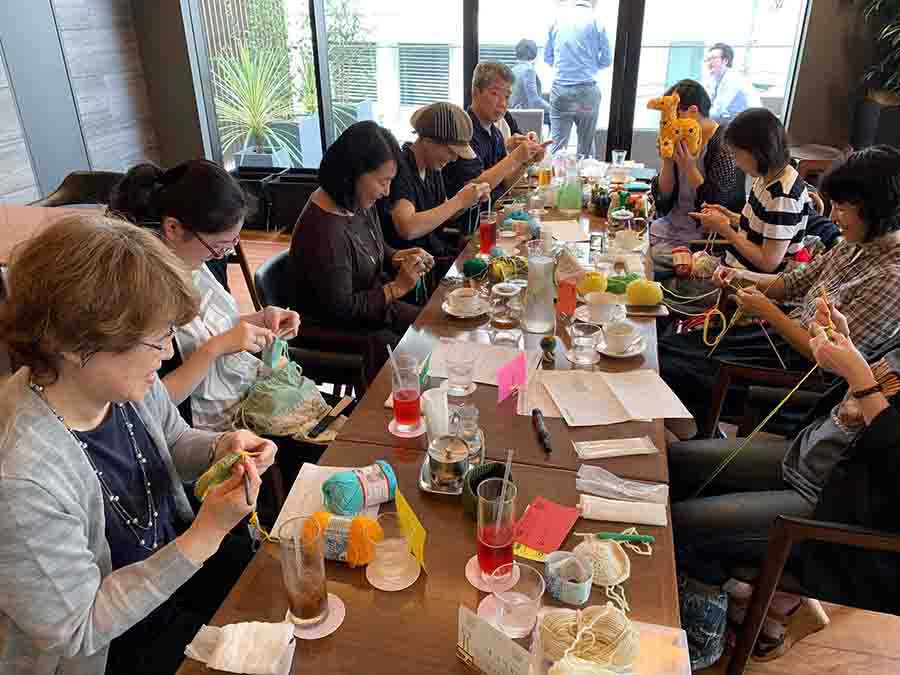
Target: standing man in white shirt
<point x="731" y="92"/>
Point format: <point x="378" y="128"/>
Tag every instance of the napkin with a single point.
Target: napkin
<point x="255" y="648"/>
<point x="617" y="511"/>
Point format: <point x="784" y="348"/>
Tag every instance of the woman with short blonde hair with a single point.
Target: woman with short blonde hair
<point x="96" y="532"/>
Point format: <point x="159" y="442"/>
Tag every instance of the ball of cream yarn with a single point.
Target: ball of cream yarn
<point x="608" y="638"/>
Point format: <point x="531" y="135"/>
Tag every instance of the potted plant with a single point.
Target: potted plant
<point x="254" y="105"/>
<point x="877" y="118"/>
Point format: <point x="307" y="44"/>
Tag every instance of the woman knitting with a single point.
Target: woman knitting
<point x="860" y="276"/>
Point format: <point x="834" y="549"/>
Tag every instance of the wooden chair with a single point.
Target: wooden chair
<point x="785" y="533"/>
<point x="344" y="369"/>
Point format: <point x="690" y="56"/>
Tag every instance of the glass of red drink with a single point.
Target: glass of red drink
<point x="406" y="393"/>
<point x="496" y="525"/>
<point x="487" y="231"/>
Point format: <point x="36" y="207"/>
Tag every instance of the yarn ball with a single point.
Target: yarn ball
<point x="343" y="493"/>
<point x="518" y="215"/>
<point x="474" y="267"/>
<point x="607" y="636"/>
<point x="644" y="292"/>
<point x="704" y="265"/>
<point x="361" y="534"/>
<point x="534" y="229"/>
<point x="497" y="252"/>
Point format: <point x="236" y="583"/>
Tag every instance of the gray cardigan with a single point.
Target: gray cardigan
<point x="60" y="601"/>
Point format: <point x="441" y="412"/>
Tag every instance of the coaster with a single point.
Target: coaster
<point x="396" y="584"/>
<point x="487" y="610"/>
<point x="595" y="358"/>
<point x="336" y="613"/>
<point x="470" y="389"/>
<point x="415" y="433"/>
<point x="474" y="576"/>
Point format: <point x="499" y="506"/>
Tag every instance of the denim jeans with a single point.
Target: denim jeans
<point x="578" y="103"/>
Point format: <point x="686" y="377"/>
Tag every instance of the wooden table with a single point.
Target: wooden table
<point x="414" y="631"/>
<point x="19" y="223"/>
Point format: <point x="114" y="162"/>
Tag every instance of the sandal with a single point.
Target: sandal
<point x="806" y="618"/>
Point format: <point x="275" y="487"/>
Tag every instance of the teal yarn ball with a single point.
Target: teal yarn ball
<point x="344" y="494"/>
<point x="497" y="252"/>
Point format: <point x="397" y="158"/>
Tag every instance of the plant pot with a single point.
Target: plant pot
<point x="269" y="158"/>
<point x="875" y="122"/>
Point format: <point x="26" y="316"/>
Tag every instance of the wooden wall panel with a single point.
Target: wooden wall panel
<point x="104" y="64"/>
<point x="17" y="182"/>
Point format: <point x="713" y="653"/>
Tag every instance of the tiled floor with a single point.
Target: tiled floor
<point x="855" y="642"/>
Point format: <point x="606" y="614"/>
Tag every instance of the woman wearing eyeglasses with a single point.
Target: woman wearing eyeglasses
<point x="104" y="567"/>
<point x="200" y="210"/>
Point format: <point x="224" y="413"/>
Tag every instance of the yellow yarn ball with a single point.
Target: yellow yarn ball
<point x="644" y="292"/>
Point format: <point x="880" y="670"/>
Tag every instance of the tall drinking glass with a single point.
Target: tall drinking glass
<point x="518" y="598"/>
<point x="618" y="157"/>
<point x="540" y="314"/>
<point x="487" y="231"/>
<point x="405" y="379"/>
<point x="496" y="525"/>
<point x="302" y="545"/>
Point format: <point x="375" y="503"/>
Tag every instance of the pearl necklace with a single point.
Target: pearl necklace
<point x="131" y="521"/>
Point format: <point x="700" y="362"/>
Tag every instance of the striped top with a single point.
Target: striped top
<point x="776" y="210"/>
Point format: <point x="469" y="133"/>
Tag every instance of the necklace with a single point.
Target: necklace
<point x="138" y="529"/>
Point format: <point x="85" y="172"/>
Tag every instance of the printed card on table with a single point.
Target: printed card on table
<point x="484" y="647"/>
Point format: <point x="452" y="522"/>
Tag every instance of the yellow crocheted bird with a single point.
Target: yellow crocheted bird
<point x="672" y="129"/>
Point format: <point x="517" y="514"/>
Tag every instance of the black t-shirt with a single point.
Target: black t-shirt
<point x="109" y="446"/>
<point x="425" y="194"/>
<point x="489" y="148"/>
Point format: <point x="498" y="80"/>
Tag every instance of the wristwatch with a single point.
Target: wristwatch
<point x="868" y="391"/>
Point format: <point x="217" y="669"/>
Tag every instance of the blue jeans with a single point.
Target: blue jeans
<point x="578" y="103"/>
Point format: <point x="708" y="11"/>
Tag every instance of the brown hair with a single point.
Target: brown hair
<point x="86" y="284"/>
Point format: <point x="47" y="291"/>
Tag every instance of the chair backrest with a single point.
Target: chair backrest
<point x="273" y="281"/>
<point x="83" y="187"/>
<point x="529" y="120"/>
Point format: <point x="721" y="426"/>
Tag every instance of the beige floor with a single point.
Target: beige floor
<point x="855" y="642"/>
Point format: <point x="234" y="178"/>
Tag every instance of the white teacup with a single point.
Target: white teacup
<point x="602" y="306"/>
<point x="463" y="300"/>
<point x="619" y="336"/>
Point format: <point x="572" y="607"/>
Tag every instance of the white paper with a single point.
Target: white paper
<point x="614" y="447"/>
<point x="488" y="359"/>
<point x="597" y="398"/>
<point x="534" y="395"/>
<point x="569" y="230"/>
<point x="254" y="648"/>
<point x="633" y="262"/>
<point x="487" y="648"/>
<point x="618" y="511"/>
<point x="305" y="497"/>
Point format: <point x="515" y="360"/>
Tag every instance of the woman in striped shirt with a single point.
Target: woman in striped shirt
<point x="769" y="230"/>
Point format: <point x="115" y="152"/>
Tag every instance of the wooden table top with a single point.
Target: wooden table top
<point x="414" y="631"/>
<point x="19" y="223"/>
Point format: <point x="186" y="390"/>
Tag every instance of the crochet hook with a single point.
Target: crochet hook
<point x="246" y="482"/>
<point x="618" y="536"/>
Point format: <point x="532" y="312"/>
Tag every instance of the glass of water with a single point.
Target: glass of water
<point x="618" y="157"/>
<point x="583" y="337"/>
<point x="518" y="598"/>
<point x="460" y="368"/>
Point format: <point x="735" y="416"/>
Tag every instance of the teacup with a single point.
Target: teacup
<point x="602" y="306"/>
<point x="619" y="336"/>
<point x="628" y="240"/>
<point x="463" y="300"/>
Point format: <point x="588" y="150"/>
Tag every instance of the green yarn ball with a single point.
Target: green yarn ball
<point x="474" y="267"/>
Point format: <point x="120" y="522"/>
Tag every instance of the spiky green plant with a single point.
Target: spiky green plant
<point x="253" y="92"/>
<point x="886" y="73"/>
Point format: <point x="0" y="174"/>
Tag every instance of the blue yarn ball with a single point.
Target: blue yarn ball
<point x="497" y="252"/>
<point x="343" y="494"/>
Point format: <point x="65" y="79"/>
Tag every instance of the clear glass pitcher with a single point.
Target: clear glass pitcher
<point x="540" y="315"/>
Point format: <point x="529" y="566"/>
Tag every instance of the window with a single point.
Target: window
<point x="424" y="71"/>
<point x="764" y="37"/>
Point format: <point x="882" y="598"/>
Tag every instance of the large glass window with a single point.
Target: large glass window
<point x="676" y="44"/>
<point x="502" y="24"/>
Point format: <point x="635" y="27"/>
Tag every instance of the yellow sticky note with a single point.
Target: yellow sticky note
<point x="412" y="527"/>
<point x="522" y="551"/>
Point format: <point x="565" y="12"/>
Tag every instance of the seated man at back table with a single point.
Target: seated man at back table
<point x="491" y="89"/>
<point x="730" y="91"/>
<point x="418" y="208"/>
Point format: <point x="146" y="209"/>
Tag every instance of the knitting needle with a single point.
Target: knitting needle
<point x="774" y="348"/>
<point x="246" y="482"/>
<point x="617" y="536"/>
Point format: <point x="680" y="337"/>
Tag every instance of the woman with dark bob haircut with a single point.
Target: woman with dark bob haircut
<point x="860" y="276"/>
<point x="105" y="567"/>
<point x="351" y="280"/>
<point x="769" y="231"/>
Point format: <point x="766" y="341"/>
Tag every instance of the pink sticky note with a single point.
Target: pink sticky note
<point x="511" y="376"/>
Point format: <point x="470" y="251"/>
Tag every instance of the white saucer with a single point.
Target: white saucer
<point x="470" y="389"/>
<point x="635" y="349"/>
<point x="394" y="584"/>
<point x="583" y="314"/>
<point x="415" y="433"/>
<point x="481" y="308"/>
<point x="474" y="576"/>
<point x="336" y="613"/>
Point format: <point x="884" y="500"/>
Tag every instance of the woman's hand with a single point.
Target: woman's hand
<point x="263" y="450"/>
<point x="839" y="356"/>
<point x="411" y="268"/>
<point x="713" y="220"/>
<point x="824" y="311"/>
<point x="683" y="157"/>
<point x="817" y="203"/>
<point x="245" y="337"/>
<point x="285" y="323"/>
<point x="754" y="302"/>
<point x="426" y="258"/>
<point x="724" y="276"/>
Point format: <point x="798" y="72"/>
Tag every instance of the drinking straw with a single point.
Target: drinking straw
<point x="393" y="360"/>
<point x="509" y="455"/>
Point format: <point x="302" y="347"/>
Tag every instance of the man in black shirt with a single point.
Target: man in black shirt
<point x="415" y="212"/>
<point x="491" y="89"/>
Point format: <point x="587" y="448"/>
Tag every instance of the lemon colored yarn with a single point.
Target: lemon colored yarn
<point x="599" y="636"/>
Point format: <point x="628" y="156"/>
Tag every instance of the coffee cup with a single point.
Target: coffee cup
<point x="619" y="336"/>
<point x="463" y="300"/>
<point x="602" y="306"/>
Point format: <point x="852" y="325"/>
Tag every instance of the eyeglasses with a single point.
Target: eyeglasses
<point x="163" y="344"/>
<point x="217" y="253"/>
<point x="712" y="58"/>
